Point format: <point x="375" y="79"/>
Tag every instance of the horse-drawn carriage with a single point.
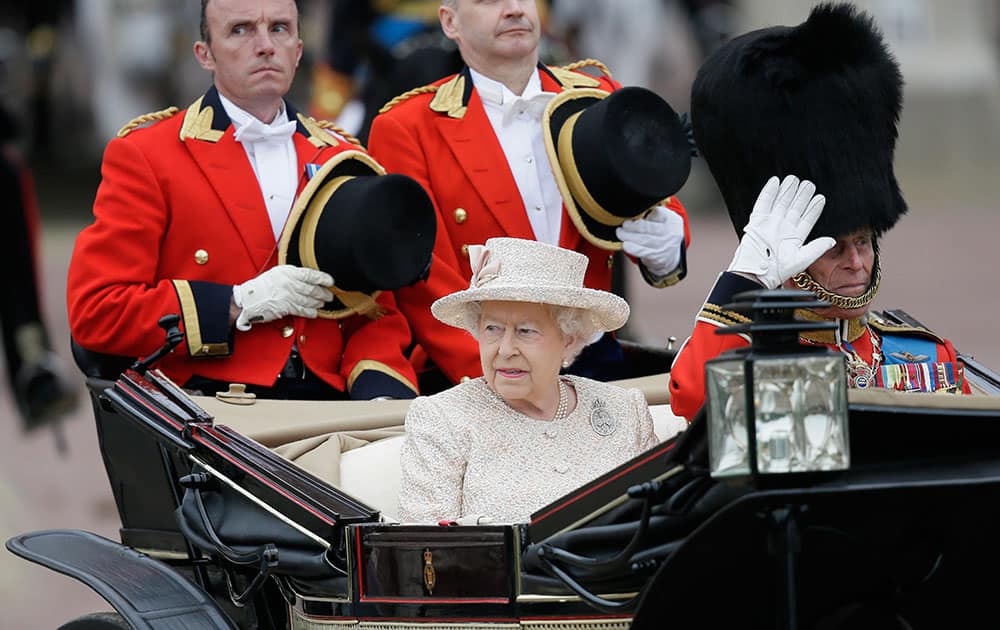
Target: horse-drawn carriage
<point x="242" y="513"/>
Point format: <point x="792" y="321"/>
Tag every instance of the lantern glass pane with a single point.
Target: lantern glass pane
<point x="727" y="419"/>
<point x="801" y="414"/>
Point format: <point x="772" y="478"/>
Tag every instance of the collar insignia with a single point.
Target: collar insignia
<point x="198" y="123"/>
<point x="855" y="328"/>
<point x="318" y="136"/>
<point x="450" y="98"/>
<point x="572" y="79"/>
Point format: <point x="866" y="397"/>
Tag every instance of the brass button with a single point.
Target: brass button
<point x="201" y="257"/>
<point x="464" y="379"/>
<point x="611" y="261"/>
<point x="287" y="332"/>
<point x="461" y="215"/>
<point x="302" y="339"/>
<point x="465" y="250"/>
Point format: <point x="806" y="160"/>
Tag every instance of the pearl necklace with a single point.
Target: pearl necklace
<point x="562" y="410"/>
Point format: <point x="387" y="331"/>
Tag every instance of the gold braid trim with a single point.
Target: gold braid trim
<point x="583" y="63"/>
<point x="396" y="100"/>
<point x="326" y="124"/>
<point x="806" y="282"/>
<point x="138" y="121"/>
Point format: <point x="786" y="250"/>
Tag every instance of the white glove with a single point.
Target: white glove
<point x="474" y="519"/>
<point x="772" y="248"/>
<point x="655" y="240"/>
<point x="280" y="291"/>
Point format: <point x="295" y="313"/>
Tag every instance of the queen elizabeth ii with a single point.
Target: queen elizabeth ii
<point x="510" y="442"/>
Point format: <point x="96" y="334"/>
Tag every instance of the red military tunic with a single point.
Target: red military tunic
<point x="179" y="219"/>
<point x="441" y="136"/>
<point x="899" y="348"/>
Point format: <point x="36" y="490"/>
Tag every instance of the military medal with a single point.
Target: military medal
<point x="860" y="375"/>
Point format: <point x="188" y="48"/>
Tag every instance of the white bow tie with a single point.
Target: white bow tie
<point x="532" y="107"/>
<point x="256" y="131"/>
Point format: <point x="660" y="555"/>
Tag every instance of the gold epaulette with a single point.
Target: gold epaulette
<point x="396" y="100"/>
<point x="326" y="124"/>
<point x="885" y="326"/>
<point x="583" y="63"/>
<point x="138" y="121"/>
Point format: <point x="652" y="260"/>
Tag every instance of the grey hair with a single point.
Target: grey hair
<point x="575" y="322"/>
<point x="451" y="4"/>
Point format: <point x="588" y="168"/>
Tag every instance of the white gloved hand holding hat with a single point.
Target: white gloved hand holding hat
<point x="655" y="240"/>
<point x="281" y="291"/>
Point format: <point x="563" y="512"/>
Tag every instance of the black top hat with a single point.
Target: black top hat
<point x="613" y="156"/>
<point x="372" y="232"/>
<point x="820" y="100"/>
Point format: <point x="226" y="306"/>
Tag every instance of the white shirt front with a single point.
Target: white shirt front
<point x="274" y="161"/>
<point x="516" y="121"/>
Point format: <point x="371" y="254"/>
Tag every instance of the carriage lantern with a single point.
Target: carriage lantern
<point x="777" y="406"/>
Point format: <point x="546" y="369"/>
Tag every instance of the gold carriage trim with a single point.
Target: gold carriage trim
<point x="139" y="121"/>
<point x="405" y="96"/>
<point x="377" y="366"/>
<point x="198" y="123"/>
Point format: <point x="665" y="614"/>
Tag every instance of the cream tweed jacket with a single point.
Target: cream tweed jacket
<point x="468" y="453"/>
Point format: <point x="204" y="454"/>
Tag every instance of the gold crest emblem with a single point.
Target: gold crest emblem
<point x="430" y="578"/>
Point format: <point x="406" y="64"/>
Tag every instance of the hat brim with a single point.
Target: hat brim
<point x="346" y="163"/>
<point x="607" y="310"/>
<point x="559" y="110"/>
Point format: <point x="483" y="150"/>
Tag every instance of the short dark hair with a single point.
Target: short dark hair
<point x="204" y="24"/>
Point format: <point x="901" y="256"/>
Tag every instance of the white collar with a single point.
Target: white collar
<point x="492" y="91"/>
<point x="240" y="117"/>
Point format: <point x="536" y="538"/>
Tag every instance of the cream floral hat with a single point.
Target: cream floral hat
<point x="522" y="270"/>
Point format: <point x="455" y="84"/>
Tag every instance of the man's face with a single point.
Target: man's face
<point x="846" y="270"/>
<point x="493" y="31"/>
<point x="254" y="50"/>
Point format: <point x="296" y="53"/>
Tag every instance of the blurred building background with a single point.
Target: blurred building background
<point x="75" y="71"/>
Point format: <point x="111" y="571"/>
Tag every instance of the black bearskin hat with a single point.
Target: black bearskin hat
<point x="821" y="101"/>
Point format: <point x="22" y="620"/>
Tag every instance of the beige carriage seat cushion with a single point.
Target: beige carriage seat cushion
<point x="665" y="424"/>
<point x="371" y="474"/>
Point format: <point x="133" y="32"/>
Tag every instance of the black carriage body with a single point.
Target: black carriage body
<point x="923" y="477"/>
<point x="377" y="571"/>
